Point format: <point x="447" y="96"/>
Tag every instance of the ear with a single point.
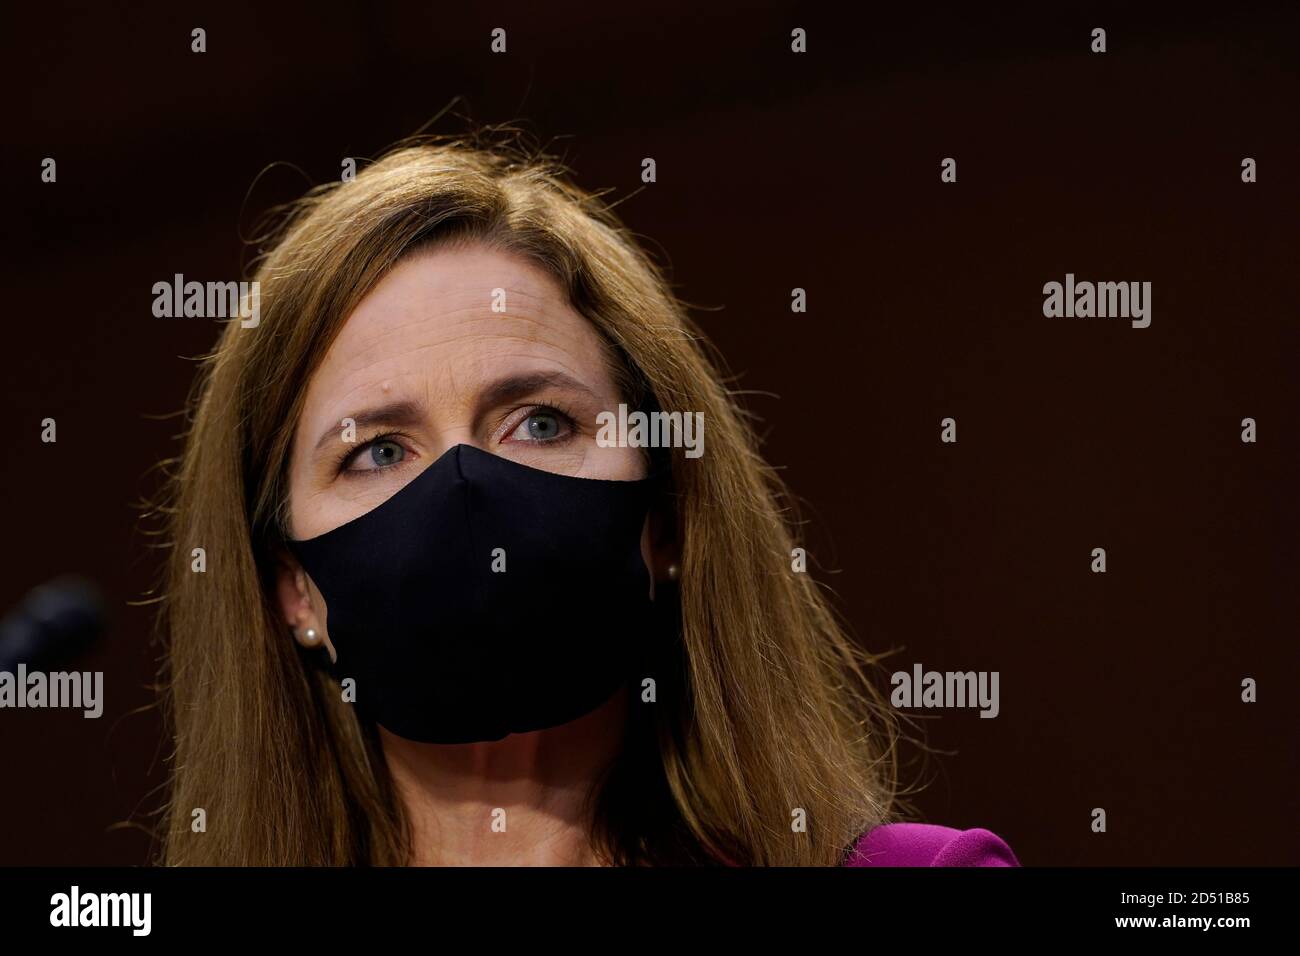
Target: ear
<point x="659" y="545"/>
<point x="301" y="604"/>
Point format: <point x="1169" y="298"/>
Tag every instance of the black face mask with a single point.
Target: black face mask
<point x="487" y="598"/>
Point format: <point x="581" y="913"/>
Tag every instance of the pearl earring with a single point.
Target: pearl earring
<point x="310" y="637"/>
<point x="674" y="572"/>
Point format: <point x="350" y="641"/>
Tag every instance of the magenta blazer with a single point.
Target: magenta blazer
<point x="925" y="844"/>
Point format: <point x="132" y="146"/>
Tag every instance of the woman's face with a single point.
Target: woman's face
<point x="456" y="345"/>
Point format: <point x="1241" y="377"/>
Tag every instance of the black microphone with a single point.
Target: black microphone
<point x="55" y="621"/>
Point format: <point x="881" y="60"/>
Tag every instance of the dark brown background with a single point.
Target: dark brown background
<point x="821" y="171"/>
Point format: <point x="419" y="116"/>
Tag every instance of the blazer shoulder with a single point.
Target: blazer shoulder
<point x="927" y="844"/>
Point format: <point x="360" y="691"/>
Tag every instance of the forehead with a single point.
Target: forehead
<point x="446" y="319"/>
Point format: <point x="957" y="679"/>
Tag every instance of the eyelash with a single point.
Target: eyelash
<point x="560" y="413"/>
<point x="346" y="459"/>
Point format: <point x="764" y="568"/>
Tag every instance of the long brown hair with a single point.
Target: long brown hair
<point x="766" y="707"/>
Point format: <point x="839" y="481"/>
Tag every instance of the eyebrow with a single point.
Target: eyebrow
<point x="406" y="414"/>
<point x="514" y="387"/>
<point x="392" y="415"/>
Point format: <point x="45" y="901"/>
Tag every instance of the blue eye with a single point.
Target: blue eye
<point x="381" y="454"/>
<point x="542" y="426"/>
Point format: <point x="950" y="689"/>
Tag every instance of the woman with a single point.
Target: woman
<point x="446" y="614"/>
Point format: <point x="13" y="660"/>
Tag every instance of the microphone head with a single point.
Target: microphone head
<point x="56" y="620"/>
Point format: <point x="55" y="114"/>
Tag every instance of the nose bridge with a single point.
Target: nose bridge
<point x="448" y="435"/>
<point x="458" y="462"/>
<point x="449" y="392"/>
